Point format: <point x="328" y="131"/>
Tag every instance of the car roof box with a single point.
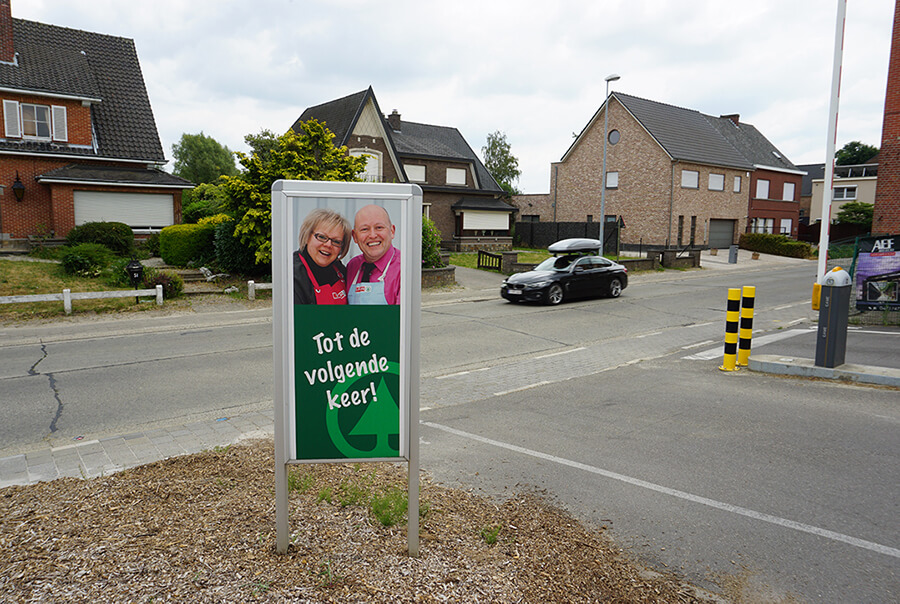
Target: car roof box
<point x="568" y="246"/>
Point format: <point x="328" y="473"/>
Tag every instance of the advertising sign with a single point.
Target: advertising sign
<point x="344" y="292"/>
<point x="878" y="273"/>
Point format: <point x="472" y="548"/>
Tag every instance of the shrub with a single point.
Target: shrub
<point x="182" y="243"/>
<point x="86" y="259"/>
<point x="216" y="219"/>
<point x="172" y="283"/>
<point x="779" y="245"/>
<point x="116" y="275"/>
<point x="232" y="256"/>
<point x="204" y="200"/>
<point x="116" y="236"/>
<point x="431" y="244"/>
<point x="151" y="244"/>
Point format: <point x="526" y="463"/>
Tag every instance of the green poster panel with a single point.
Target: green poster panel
<point x="347" y="381"/>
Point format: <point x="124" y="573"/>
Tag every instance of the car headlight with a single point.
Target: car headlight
<point x="538" y="285"/>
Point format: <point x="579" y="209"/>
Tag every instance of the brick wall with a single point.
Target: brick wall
<point x="388" y="172"/>
<point x="887" y="197"/>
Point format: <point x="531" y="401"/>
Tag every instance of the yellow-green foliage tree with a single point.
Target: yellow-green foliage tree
<point x="307" y="155"/>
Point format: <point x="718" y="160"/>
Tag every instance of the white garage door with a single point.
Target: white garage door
<point x="721" y="233"/>
<point x="137" y="210"/>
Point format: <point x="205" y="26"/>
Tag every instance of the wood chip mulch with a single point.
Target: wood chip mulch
<point x="201" y="528"/>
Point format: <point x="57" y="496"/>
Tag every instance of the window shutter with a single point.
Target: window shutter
<point x="11" y="119"/>
<point x="60" y="126"/>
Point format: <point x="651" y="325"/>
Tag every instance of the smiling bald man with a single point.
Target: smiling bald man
<point x="374" y="275"/>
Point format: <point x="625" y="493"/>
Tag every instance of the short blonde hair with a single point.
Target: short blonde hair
<point x="328" y="219"/>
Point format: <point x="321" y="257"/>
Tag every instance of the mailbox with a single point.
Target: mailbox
<point x="135" y="272"/>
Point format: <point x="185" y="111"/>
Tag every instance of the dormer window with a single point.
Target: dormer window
<point x="29" y="120"/>
<point x="35" y="120"/>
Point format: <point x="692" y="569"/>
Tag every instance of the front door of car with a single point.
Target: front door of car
<point x="581" y="282"/>
<point x="601" y="275"/>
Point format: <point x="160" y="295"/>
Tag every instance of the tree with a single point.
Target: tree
<point x="201" y="159"/>
<point x="855" y="153"/>
<point x="502" y="164"/>
<point x="307" y="155"/>
<point x="856" y="212"/>
<point x="262" y="144"/>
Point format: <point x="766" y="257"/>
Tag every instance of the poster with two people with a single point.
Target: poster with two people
<point x="345" y="263"/>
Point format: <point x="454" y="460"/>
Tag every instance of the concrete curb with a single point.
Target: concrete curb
<point x="849" y="372"/>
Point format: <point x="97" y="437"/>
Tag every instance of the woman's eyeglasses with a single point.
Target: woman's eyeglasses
<point x="325" y="238"/>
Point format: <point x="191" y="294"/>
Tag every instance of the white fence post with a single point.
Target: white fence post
<point x="251" y="290"/>
<point x="159" y="299"/>
<point x="67" y="301"/>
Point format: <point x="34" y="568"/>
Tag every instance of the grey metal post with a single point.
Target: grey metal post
<point x="610" y="78"/>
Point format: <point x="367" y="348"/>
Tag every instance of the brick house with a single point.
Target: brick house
<point x="459" y="193"/>
<point x="886" y="218"/>
<point x="675" y="177"/>
<point x="79" y="141"/>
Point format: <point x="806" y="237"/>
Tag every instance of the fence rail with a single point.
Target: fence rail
<point x="252" y="286"/>
<point x="67" y="296"/>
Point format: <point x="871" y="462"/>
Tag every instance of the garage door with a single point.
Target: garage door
<point x="721" y="233"/>
<point x="137" y="210"/>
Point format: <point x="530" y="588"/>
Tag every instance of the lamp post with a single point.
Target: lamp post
<point x="610" y="78"/>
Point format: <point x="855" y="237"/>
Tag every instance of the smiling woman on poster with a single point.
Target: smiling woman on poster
<point x="319" y="274"/>
<point x="374" y="275"/>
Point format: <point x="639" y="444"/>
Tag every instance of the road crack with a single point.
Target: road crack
<point x="32" y="371"/>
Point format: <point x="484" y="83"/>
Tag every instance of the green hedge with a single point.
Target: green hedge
<point x="181" y="244"/>
<point x="117" y="236"/>
<point x="232" y="256"/>
<point x="778" y="245"/>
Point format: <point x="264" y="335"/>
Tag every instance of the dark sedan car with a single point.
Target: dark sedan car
<point x="577" y="271"/>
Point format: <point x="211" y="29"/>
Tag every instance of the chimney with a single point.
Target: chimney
<point x="393" y="119"/>
<point x="734" y="117"/>
<point x="7" y="51"/>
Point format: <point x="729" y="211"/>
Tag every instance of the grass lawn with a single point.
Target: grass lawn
<point x="22" y="278"/>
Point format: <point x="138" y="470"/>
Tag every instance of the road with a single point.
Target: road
<point x="609" y="407"/>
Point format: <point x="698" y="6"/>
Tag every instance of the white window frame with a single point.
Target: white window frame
<point x="36" y="108"/>
<point x="788" y="194"/>
<point x="690" y="179"/>
<point x="847" y="193"/>
<point x="737" y="184"/>
<point x="716" y="182"/>
<point x="372" y="172"/>
<point x="762" y="188"/>
<point x="612" y="180"/>
<point x="416" y="173"/>
<point x="456" y="176"/>
<point x="14" y="121"/>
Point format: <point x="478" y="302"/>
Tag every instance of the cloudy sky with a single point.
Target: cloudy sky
<point x="534" y="70"/>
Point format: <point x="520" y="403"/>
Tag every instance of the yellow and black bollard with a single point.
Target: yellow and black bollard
<point x="731" y="329"/>
<point x="748" y="298"/>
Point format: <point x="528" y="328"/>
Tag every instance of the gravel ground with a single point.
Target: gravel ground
<point x="200" y="528"/>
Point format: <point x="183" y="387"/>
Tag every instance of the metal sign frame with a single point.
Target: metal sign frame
<point x="291" y="201"/>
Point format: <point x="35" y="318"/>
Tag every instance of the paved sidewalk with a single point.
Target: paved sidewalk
<point x="90" y="459"/>
<point x="93" y="458"/>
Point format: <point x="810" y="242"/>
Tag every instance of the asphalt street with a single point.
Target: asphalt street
<point x="614" y="409"/>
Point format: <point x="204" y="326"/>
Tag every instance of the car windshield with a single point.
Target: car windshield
<point x="556" y="263"/>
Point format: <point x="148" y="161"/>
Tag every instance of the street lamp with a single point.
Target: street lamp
<point x="610" y="78"/>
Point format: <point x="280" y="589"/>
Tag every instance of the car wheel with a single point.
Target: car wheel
<point x="615" y="288"/>
<point x="555" y="294"/>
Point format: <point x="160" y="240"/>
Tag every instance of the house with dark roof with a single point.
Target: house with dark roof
<point x="79" y="142"/>
<point x="459" y="193"/>
<point x="674" y="177"/>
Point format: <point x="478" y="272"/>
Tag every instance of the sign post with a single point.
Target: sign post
<point x="346" y="375"/>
